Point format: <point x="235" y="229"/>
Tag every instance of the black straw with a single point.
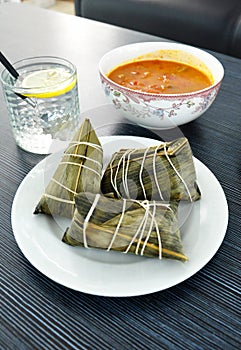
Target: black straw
<point x="15" y="74"/>
<point x="8" y="66"/>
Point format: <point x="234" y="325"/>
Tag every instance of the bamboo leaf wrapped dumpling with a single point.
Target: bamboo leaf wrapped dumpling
<point x="79" y="170"/>
<point x="163" y="172"/>
<point x="128" y="226"/>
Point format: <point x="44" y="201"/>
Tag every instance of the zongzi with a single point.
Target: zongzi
<point x="79" y="170"/>
<point x="147" y="228"/>
<point x="163" y="172"/>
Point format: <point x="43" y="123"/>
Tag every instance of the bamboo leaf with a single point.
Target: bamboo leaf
<point x="128" y="226"/>
<point x="79" y="171"/>
<point x="165" y="172"/>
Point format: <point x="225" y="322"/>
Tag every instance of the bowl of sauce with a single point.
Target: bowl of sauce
<point x="160" y="85"/>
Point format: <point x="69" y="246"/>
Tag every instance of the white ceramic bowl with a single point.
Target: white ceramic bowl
<point x="160" y="111"/>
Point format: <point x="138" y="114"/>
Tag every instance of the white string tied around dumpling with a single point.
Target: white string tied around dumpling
<point x="82" y="166"/>
<point x="180" y="177"/>
<point x="141" y="226"/>
<point x="58" y="199"/>
<point x="111" y="171"/>
<point x="155" y="173"/>
<point x="78" y="143"/>
<point x="84" y="157"/>
<point x="153" y="221"/>
<point x="118" y="225"/>
<point x="150" y="229"/>
<point x="146" y="205"/>
<point x="141" y="171"/>
<point x="126" y="164"/>
<point x="87" y="218"/>
<point x="63" y="186"/>
<point x="114" y="182"/>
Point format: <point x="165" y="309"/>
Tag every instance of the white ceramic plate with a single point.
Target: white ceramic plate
<point x="110" y="273"/>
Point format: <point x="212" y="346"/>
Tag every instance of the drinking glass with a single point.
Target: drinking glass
<point x="42" y="114"/>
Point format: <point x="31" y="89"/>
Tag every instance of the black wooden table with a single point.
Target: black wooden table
<point x="202" y="312"/>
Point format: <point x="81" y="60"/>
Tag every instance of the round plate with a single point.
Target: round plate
<point x="110" y="273"/>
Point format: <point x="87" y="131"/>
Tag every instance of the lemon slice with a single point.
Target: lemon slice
<point x="46" y="83"/>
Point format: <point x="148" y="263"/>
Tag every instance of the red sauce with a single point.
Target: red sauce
<point x="160" y="77"/>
